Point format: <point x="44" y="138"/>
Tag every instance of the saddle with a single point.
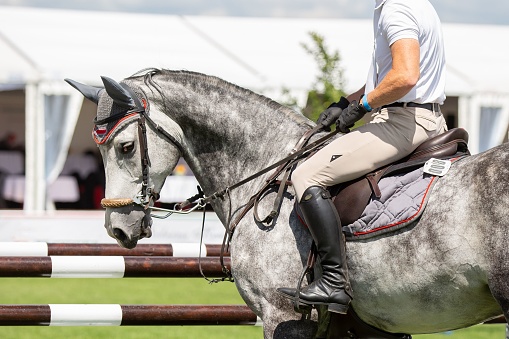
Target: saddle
<point x="352" y="197"/>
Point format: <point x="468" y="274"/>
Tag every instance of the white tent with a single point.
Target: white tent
<point x="40" y="47"/>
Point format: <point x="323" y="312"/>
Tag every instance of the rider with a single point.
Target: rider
<point x="404" y="91"/>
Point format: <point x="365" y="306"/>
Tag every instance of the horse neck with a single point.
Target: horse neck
<point x="230" y="133"/>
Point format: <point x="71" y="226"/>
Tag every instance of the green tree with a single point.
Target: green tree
<point x="328" y="85"/>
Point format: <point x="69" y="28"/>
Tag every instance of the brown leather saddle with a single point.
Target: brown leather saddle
<point x="351" y="198"/>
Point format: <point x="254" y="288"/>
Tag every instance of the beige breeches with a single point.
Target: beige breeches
<point x="393" y="134"/>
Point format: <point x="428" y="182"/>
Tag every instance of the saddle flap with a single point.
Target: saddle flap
<point x="354" y="196"/>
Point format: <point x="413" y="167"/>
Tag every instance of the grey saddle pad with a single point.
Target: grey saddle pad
<point x="403" y="200"/>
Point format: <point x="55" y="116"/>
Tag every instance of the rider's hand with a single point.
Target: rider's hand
<point x="349" y="116"/>
<point x="332" y="113"/>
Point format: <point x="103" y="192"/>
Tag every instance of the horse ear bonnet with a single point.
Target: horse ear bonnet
<point x="89" y="92"/>
<point x="117" y="108"/>
<point x="119" y="94"/>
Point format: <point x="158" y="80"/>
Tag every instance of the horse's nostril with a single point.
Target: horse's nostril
<point x="123" y="239"/>
<point x="119" y="235"/>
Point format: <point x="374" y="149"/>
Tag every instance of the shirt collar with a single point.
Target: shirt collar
<point x="379" y="3"/>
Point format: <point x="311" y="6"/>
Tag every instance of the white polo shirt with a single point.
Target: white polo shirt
<point x="414" y="19"/>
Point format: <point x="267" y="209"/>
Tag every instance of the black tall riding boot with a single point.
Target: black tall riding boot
<point x="333" y="288"/>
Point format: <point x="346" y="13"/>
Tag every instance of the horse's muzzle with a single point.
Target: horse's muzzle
<point x="128" y="225"/>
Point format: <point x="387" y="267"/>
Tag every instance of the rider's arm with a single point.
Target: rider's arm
<point x="402" y="77"/>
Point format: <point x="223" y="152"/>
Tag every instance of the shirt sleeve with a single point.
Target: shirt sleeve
<point x="397" y="21"/>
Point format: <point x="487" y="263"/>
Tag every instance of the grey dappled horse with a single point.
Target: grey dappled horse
<point x="448" y="270"/>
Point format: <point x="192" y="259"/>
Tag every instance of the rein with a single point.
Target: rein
<point x="294" y="155"/>
<point x="284" y="165"/>
<point x="148" y="195"/>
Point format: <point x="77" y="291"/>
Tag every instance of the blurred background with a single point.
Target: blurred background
<point x="304" y="54"/>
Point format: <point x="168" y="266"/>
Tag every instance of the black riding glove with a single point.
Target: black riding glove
<point x="349" y="116"/>
<point x="332" y="113"/>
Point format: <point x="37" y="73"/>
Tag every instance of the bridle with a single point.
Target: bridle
<point x="147" y="194"/>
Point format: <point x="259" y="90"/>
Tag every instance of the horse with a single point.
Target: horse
<point x="447" y="270"/>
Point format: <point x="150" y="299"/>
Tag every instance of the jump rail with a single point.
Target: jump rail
<point x="39" y="249"/>
<point x="132" y="315"/>
<point x="108" y="261"/>
<point x="110" y="267"/>
<point x="125" y="315"/>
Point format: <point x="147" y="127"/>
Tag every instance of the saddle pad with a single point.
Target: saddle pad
<point x="403" y="199"/>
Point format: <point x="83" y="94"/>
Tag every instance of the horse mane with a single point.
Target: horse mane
<point x="200" y="78"/>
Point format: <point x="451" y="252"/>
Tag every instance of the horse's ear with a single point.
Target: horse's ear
<point x="119" y="94"/>
<point x="89" y="92"/>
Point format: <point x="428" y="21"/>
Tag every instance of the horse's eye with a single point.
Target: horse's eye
<point x="127" y="147"/>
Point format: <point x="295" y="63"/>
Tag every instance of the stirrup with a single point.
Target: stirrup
<point x="338" y="308"/>
<point x="298" y="306"/>
<point x="303" y="309"/>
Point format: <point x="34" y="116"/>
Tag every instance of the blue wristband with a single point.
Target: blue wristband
<point x="365" y="103"/>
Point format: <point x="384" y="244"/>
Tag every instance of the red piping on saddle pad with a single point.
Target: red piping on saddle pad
<point x="303" y="222"/>
<point x="402" y="221"/>
<point x="413" y="216"/>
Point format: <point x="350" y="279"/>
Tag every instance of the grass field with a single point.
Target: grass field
<point x="149" y="291"/>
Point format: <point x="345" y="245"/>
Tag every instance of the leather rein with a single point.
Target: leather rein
<point x="147" y="194"/>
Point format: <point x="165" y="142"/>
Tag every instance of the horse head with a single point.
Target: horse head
<point x="130" y="148"/>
